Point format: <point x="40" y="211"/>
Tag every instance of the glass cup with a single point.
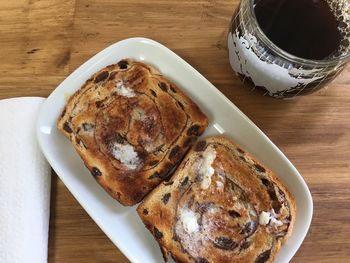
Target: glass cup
<point x="265" y="67"/>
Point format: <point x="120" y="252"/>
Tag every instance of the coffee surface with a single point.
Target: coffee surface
<point x="310" y="29"/>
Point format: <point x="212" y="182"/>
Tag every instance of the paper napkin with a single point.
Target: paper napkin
<point x="24" y="184"/>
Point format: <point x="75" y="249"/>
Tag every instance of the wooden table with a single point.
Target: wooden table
<point x="42" y="42"/>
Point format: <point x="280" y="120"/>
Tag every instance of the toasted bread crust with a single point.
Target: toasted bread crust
<point x="224" y="226"/>
<point x="131" y="126"/>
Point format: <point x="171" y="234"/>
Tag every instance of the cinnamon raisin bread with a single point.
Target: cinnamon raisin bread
<point x="221" y="205"/>
<point x="131" y="126"/>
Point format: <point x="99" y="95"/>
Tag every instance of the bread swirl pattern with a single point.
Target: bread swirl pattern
<point x="220" y="206"/>
<point x="131" y="126"/>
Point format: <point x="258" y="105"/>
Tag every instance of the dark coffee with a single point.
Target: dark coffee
<point x="318" y="30"/>
<point x="309" y="29"/>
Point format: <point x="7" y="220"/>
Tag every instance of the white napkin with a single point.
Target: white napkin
<point x="24" y="184"/>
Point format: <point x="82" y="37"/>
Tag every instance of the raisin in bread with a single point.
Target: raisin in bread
<point x="131" y="126"/>
<point x="221" y="205"/>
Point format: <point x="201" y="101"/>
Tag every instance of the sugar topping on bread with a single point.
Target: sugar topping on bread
<point x="264" y="218"/>
<point x="189" y="220"/>
<point x="205" y="170"/>
<point x="271" y="219"/>
<point x="124" y="90"/>
<point x="126" y="154"/>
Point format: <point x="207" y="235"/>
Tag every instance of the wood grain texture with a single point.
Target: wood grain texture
<point x="43" y="41"/>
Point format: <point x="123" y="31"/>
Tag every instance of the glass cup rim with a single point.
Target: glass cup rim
<point x="286" y="55"/>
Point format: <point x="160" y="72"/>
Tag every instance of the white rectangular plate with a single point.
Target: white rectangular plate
<point x="122" y="224"/>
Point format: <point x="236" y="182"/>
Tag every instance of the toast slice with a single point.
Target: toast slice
<point x="221" y="205"/>
<point x="131" y="127"/>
